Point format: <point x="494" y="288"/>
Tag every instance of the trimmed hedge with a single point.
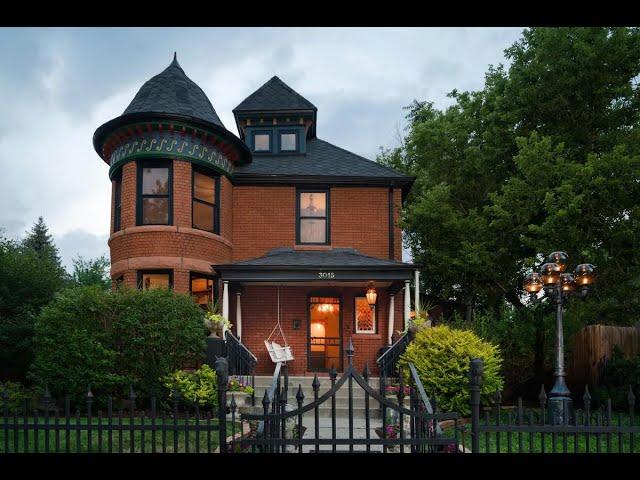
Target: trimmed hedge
<point x="442" y="356"/>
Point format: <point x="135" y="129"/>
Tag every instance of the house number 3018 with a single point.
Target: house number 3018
<point x="326" y="275"/>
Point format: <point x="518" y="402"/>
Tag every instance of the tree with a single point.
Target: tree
<point x="41" y="242"/>
<point x="27" y="283"/>
<point x="92" y="272"/>
<point x="544" y="157"/>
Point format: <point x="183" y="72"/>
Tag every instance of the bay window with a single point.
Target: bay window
<point x="149" y="279"/>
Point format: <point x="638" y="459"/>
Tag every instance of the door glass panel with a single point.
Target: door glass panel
<point x="324" y="333"/>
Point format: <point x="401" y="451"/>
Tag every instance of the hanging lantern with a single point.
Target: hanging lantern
<point x="372" y="295"/>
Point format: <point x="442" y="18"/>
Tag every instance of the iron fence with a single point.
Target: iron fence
<point x="497" y="429"/>
<point x="52" y="427"/>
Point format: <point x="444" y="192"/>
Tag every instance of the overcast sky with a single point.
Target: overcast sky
<point x="57" y="85"/>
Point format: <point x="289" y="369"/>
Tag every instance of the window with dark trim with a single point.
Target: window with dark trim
<point x="117" y="203"/>
<point x="312" y="222"/>
<point x="261" y="141"/>
<point x="149" y="279"/>
<point x="203" y="289"/>
<point x="205" y="203"/>
<point x="288" y="141"/>
<point x="365" y="316"/>
<point x="154" y="199"/>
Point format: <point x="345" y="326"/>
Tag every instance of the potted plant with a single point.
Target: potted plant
<point x="216" y="324"/>
<point x="241" y="392"/>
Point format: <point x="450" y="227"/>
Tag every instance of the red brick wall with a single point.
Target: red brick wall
<point x="264" y="218"/>
<point x="178" y="247"/>
<point x="259" y="315"/>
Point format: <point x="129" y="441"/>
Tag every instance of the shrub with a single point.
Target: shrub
<point x="73" y="344"/>
<point x="89" y="337"/>
<point x="15" y="399"/>
<point x="198" y="387"/>
<point x="157" y="332"/>
<point x="442" y="356"/>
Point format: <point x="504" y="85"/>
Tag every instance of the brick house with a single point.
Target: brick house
<point x="276" y="224"/>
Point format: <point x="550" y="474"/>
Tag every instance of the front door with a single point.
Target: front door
<point x="324" y="345"/>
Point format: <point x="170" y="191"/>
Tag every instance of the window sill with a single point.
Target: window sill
<point x="312" y="247"/>
<point x="369" y="336"/>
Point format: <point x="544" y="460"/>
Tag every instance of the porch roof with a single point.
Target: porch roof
<point x="338" y="264"/>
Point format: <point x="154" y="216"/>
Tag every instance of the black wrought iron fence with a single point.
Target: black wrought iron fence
<point x="520" y="429"/>
<point x="50" y="426"/>
<point x="241" y="361"/>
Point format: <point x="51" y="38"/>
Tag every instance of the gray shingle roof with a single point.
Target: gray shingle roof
<point x="275" y="95"/>
<point x="171" y="91"/>
<point x="337" y="257"/>
<point x="321" y="159"/>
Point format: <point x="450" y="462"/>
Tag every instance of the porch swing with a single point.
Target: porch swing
<point x="277" y="352"/>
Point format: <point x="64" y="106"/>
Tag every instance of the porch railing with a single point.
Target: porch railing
<point x="241" y="361"/>
<point x="387" y="362"/>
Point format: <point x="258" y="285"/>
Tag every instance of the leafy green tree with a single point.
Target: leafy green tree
<point x="28" y="281"/>
<point x="544" y="157"/>
<point x="94" y="271"/>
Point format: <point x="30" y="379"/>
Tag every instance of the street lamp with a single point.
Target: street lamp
<point x="558" y="285"/>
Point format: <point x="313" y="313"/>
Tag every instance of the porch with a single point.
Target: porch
<point x="314" y="302"/>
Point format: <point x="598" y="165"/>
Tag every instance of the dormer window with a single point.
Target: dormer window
<point x="288" y="142"/>
<point x="261" y="142"/>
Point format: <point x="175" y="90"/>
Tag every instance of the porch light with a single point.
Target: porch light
<point x="372" y="295"/>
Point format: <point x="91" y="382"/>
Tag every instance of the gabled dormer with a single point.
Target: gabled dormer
<point x="276" y="120"/>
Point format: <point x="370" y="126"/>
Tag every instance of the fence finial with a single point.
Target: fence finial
<point x="333" y="373"/>
<point x="631" y="398"/>
<point x="350" y="350"/>
<point x="542" y="396"/>
<point x="365" y="371"/>
<point x="300" y="394"/>
<point x="316" y="383"/>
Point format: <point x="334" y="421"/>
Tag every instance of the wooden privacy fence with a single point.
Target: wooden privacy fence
<point x="594" y="344"/>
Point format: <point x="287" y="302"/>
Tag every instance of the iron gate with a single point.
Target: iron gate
<point x="280" y="426"/>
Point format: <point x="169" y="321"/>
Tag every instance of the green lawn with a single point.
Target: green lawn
<point x="79" y="441"/>
<point x="538" y="442"/>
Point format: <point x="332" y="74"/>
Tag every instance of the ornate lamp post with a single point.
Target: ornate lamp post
<point x="558" y="286"/>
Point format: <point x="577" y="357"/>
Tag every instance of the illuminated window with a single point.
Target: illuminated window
<point x="205" y="195"/>
<point x="262" y="142"/>
<point x="313" y="218"/>
<point x="155" y="279"/>
<point x="365" y="316"/>
<point x="203" y="290"/>
<point x="154" y="193"/>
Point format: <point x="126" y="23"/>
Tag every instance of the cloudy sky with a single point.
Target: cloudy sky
<point x="57" y="85"/>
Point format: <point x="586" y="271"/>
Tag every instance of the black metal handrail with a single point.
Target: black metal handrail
<point x="242" y="362"/>
<point x="387" y="362"/>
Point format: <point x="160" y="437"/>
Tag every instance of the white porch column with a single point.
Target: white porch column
<point x="416" y="292"/>
<point x="392" y="314"/>
<point x="225" y="302"/>
<point x="407" y="302"/>
<point x="238" y="316"/>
